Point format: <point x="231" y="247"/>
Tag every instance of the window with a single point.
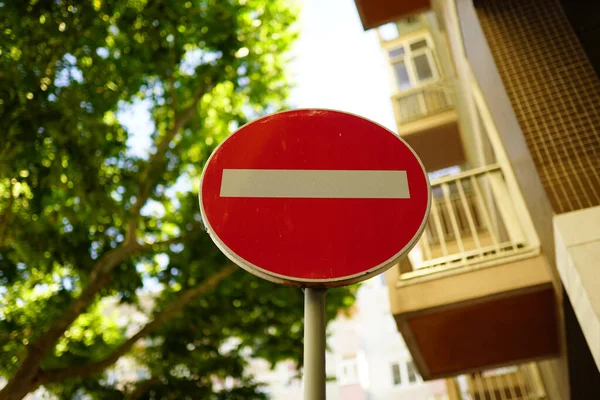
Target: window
<point x="347" y="372"/>
<point x="396" y="376"/>
<point x="422" y="67"/>
<point x="404" y="373"/>
<point x="402" y="78"/>
<point x="413" y="62"/>
<point x="419" y="44"/>
<point x="412" y="372"/>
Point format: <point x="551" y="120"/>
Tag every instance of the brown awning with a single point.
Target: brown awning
<point x="374" y="13"/>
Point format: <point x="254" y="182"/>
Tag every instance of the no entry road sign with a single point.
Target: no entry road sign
<point x="314" y="198"/>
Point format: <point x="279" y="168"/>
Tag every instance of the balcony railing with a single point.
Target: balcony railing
<point x="423" y="101"/>
<point x="473" y="220"/>
<point x="521" y="382"/>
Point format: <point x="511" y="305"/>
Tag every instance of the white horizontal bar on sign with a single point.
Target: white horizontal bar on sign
<point x="334" y="184"/>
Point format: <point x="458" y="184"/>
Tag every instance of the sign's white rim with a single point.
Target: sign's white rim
<point x="333" y="282"/>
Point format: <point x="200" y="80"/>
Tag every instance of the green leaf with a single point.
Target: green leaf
<point x="70" y="181"/>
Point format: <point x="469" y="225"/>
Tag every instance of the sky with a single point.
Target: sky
<point x="338" y="65"/>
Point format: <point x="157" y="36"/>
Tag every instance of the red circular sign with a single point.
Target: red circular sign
<point x="314" y="198"/>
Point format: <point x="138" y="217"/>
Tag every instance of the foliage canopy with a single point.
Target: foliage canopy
<point x="90" y="214"/>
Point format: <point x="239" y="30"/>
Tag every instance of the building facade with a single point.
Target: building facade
<point x="501" y="100"/>
<point x="367" y="358"/>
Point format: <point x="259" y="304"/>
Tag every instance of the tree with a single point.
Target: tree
<point x="87" y="213"/>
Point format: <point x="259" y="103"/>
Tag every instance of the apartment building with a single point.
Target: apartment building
<point x="501" y="100"/>
<point x="366" y="359"/>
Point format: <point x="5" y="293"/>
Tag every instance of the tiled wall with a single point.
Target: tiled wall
<point x="555" y="94"/>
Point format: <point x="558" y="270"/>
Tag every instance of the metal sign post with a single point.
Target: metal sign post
<point x="314" y="344"/>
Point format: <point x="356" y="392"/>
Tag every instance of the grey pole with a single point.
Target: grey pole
<point x="314" y="344"/>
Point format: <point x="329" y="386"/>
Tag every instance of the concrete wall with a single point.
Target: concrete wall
<point x="577" y="236"/>
<point x="383" y="346"/>
<point x="370" y="336"/>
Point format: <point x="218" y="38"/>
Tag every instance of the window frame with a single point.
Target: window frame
<point x="344" y="378"/>
<point x="408" y="59"/>
<point x="404" y="375"/>
<point x="399" y="367"/>
<point x="410" y="367"/>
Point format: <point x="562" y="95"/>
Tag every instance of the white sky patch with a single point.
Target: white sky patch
<point x="153" y="208"/>
<point x="337" y="65"/>
<point x="137" y="120"/>
<point x="191" y="60"/>
<point x="69" y="73"/>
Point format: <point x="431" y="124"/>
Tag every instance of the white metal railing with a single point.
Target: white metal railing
<point x="423" y="101"/>
<point x="473" y="220"/>
<point x="522" y="382"/>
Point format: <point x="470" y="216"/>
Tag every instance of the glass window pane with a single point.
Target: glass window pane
<point x="388" y="31"/>
<point x="396" y="374"/>
<point x="424" y="70"/>
<point x="402" y="76"/>
<point x="412" y="372"/>
<point x="418" y="45"/>
<point x="397" y="52"/>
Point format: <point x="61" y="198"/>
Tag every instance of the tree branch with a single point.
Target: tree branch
<point x="37" y="349"/>
<point x="161" y="243"/>
<point x="6" y="216"/>
<point x="28" y="371"/>
<point x="98" y="278"/>
<point x="169" y="312"/>
<point x="29" y="368"/>
<point x="142" y="389"/>
<point x="156" y="161"/>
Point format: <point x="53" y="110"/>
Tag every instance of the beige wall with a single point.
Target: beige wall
<point x="577" y="253"/>
<point x="451" y="43"/>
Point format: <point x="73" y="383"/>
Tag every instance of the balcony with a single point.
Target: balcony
<point x="423" y="102"/>
<point x="522" y="382"/>
<point x="472" y="222"/>
<point x="425" y="114"/>
<point x="475" y="292"/>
